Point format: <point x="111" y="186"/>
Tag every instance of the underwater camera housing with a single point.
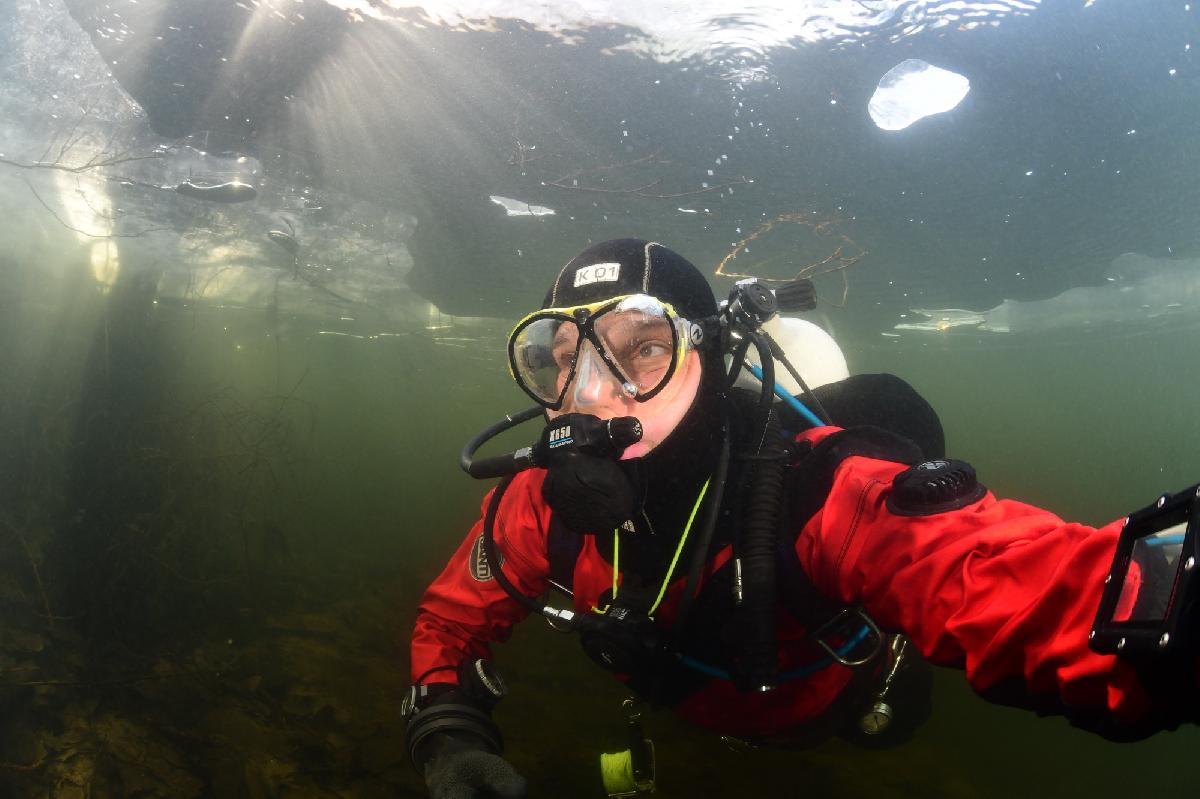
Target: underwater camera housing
<point x="1150" y="595"/>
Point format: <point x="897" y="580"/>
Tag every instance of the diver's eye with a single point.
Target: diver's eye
<point x="565" y="359"/>
<point x="653" y="349"/>
<point x="646" y="353"/>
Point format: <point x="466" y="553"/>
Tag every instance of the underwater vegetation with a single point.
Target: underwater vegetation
<point x="166" y="630"/>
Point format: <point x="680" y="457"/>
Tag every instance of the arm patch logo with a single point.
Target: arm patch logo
<point x="478" y="566"/>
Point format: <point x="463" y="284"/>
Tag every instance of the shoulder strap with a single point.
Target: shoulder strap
<point x="807" y="487"/>
<point x="882" y="400"/>
<point x="811" y="480"/>
<point x="562" y="550"/>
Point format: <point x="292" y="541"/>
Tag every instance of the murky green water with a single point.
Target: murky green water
<point x="274" y="662"/>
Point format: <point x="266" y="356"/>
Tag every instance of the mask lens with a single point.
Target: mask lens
<point x="637" y="338"/>
<point x="641" y="342"/>
<point x="543" y="353"/>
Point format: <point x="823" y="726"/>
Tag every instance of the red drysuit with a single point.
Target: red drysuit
<point x="1003" y="589"/>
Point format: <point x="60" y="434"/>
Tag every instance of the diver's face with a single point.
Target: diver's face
<point x="596" y="390"/>
<point x="641" y="345"/>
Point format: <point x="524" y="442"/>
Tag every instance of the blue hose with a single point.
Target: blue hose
<point x="782" y="393"/>
<point x="794" y="674"/>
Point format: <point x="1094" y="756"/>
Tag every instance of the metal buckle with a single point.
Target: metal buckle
<point x="408" y="705"/>
<point x="836" y="623"/>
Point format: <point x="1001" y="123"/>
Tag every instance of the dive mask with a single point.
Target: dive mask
<point x="638" y="339"/>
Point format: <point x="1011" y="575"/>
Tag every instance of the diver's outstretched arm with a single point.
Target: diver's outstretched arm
<point x="1005" y="590"/>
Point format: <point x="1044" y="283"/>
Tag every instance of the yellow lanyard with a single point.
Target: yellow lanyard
<point x="674" y="561"/>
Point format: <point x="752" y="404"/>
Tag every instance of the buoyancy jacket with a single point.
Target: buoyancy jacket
<point x="1002" y="589"/>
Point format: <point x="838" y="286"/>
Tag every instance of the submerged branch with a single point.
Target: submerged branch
<point x="95" y="163"/>
<point x="34" y="766"/>
<point x="570" y="181"/>
<point x="641" y="191"/>
<point x="608" y="167"/>
<point x="37" y="574"/>
<point x="837" y="261"/>
<point x="63" y="222"/>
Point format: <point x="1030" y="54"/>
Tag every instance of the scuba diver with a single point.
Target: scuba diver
<point x="770" y="570"/>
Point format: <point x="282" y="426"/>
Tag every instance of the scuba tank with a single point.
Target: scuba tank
<point x="806" y="343"/>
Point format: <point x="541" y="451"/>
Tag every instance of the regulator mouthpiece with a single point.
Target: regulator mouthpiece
<point x="624" y="431"/>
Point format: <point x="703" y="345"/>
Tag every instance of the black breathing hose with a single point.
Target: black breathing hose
<point x="766" y="396"/>
<point x="757" y="668"/>
<point x="493" y="557"/>
<point x="808" y="394"/>
<point x="487" y="467"/>
<point x="735" y="367"/>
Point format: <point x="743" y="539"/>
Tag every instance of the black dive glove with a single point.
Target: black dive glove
<point x="452" y="740"/>
<point x="459" y="767"/>
<point x="585" y="485"/>
<point x="589" y="494"/>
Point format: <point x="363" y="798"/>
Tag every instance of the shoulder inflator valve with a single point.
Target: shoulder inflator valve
<point x="934" y="487"/>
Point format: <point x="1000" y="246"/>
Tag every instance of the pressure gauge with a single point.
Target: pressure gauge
<point x="877" y="719"/>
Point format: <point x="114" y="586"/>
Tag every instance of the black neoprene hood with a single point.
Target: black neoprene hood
<point x="670" y="476"/>
<point x="632" y="266"/>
